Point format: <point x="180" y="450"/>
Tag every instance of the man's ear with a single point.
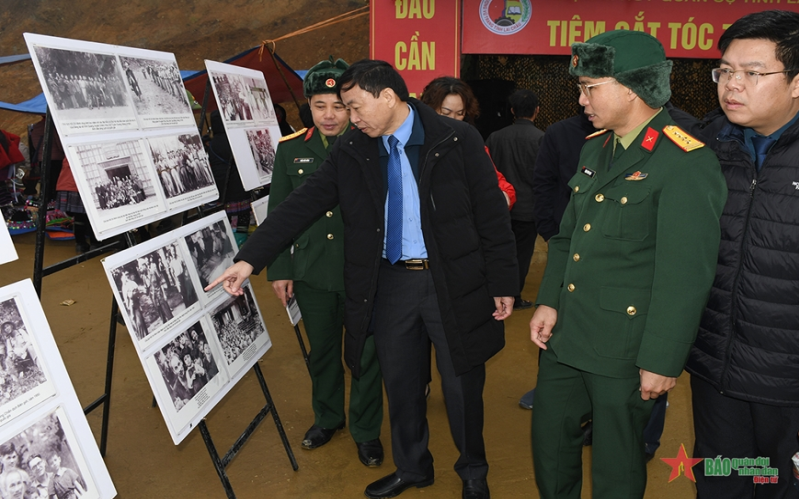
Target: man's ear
<point x="794" y="84"/>
<point x="389" y="96"/>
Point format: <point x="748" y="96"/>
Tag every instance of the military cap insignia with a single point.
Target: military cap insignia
<point x="636" y="176"/>
<point x="330" y="83"/>
<point x="680" y="137"/>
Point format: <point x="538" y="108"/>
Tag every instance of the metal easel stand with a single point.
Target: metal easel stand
<point x="220" y="464"/>
<point x="302" y="347"/>
<point x="39" y="272"/>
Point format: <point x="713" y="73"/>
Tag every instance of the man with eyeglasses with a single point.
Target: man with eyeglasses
<point x="745" y="363"/>
<point x="627" y="275"/>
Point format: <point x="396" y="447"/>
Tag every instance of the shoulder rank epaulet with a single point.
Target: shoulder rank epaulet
<point x="680" y="137"/>
<point x="596" y="134"/>
<point x="293" y="135"/>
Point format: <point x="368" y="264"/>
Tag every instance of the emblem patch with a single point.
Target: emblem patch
<point x="587" y="171"/>
<point x="303" y="160"/>
<point x="330" y="83"/>
<point x="635" y="176"/>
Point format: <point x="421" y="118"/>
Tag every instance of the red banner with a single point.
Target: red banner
<point x="686" y="28"/>
<point x="418" y="37"/>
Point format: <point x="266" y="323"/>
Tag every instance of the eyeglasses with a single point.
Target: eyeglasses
<point x="586" y="89"/>
<point x="749" y="77"/>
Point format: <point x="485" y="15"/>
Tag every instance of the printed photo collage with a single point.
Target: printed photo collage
<point x="194" y="346"/>
<point x="46" y="446"/>
<point x="249" y="119"/>
<point x="127" y="128"/>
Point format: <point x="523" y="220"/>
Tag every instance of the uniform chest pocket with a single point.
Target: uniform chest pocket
<point x="579" y="184"/>
<point x="628" y="213"/>
<point x="298" y="172"/>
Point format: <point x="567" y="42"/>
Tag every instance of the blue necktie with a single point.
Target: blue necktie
<point x="394" y="220"/>
<point x="762" y="145"/>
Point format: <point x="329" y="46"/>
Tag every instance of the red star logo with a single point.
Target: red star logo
<point x="681" y="463"/>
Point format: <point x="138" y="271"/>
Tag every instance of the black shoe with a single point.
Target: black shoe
<point x="392" y="486"/>
<point x="370" y="453"/>
<point x="522" y="304"/>
<point x="476" y="489"/>
<point x="317" y="436"/>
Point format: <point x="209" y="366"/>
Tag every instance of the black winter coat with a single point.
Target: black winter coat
<point x="748" y="341"/>
<point x="465" y="224"/>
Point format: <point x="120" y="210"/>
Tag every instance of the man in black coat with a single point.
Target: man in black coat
<point x="745" y="362"/>
<point x="429" y="256"/>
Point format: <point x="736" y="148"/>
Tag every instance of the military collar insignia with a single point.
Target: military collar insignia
<point x="650" y="139"/>
<point x="587" y="171"/>
<point x="682" y="139"/>
<point x="636" y="176"/>
<point x="303" y="160"/>
<point x="309" y="134"/>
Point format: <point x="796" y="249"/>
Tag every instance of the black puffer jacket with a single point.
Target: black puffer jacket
<point x="465" y="224"/>
<point x="748" y="342"/>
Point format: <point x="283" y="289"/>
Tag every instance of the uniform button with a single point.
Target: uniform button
<point x="587" y="227"/>
<point x="297" y="245"/>
<point x="330" y="236"/>
<point x="576" y="257"/>
<point x="631" y="311"/>
<point x="329" y="214"/>
<point x="436" y="155"/>
<point x="576" y="188"/>
<point x="456" y="139"/>
<point x="378" y="229"/>
<point x="570" y="287"/>
<point x="599" y="198"/>
<point x="300" y="171"/>
<point x="623" y="200"/>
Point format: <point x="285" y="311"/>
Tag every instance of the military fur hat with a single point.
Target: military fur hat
<point x="635" y="59"/>
<point x="323" y="77"/>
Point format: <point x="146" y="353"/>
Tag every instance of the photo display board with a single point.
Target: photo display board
<point x="194" y="346"/>
<point x="41" y="419"/>
<point x="8" y="253"/>
<point x="249" y="119"/>
<point x="127" y="128"/>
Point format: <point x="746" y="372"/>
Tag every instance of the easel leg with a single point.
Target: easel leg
<point x="273" y="410"/>
<point x="302" y="347"/>
<point x="105" y="398"/>
<point x="220" y="468"/>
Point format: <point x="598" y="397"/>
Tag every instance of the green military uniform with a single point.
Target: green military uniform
<point x="629" y="275"/>
<point x="317" y="269"/>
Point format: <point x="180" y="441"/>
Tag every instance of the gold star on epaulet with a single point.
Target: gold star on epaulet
<point x="680" y="137"/>
<point x="293" y="135"/>
<point x="596" y="134"/>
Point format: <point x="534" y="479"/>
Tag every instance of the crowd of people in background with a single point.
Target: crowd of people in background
<point x="119" y="191"/>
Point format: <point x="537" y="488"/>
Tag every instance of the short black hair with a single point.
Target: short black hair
<point x="778" y="26"/>
<point x="524" y="103"/>
<point x="373" y="76"/>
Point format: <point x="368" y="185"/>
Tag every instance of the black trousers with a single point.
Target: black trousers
<point x="734" y="428"/>
<point x="525" y="235"/>
<point x="406" y="320"/>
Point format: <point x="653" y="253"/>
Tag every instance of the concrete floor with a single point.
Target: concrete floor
<point x="144" y="463"/>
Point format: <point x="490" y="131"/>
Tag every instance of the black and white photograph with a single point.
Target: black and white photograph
<point x="181" y="164"/>
<point x="263" y="151"/>
<point x="240" y="329"/>
<point x="156" y="291"/>
<point x="88" y="89"/>
<point x="23" y="379"/>
<point x="187" y="378"/>
<point x="42" y="462"/>
<point x="249" y="119"/>
<point x="212" y="249"/>
<point x="118" y="179"/>
<point x="158" y="92"/>
<point x="187" y="364"/>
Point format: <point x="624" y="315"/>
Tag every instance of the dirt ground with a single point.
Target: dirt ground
<point x="144" y="463"/>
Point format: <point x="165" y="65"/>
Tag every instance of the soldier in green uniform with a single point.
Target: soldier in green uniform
<point x="628" y="275"/>
<point x="314" y="273"/>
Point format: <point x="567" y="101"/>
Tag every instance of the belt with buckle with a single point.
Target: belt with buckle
<point x="416" y="264"/>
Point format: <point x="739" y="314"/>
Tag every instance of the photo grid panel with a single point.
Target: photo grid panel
<point x="24" y="381"/>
